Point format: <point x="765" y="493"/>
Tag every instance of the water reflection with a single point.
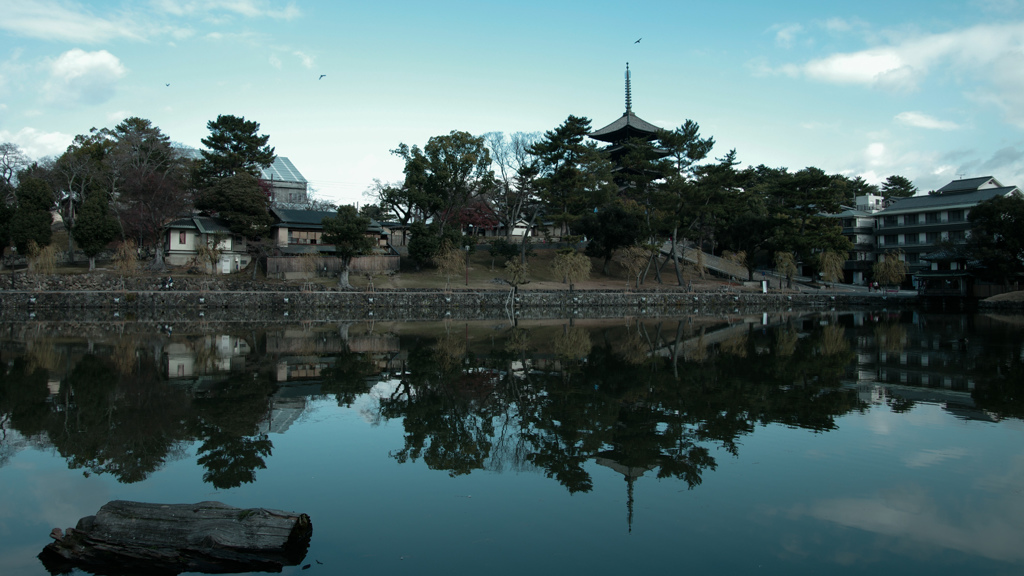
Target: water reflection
<point x="638" y="397"/>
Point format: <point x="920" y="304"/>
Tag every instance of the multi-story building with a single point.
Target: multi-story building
<point x="859" y="228"/>
<point x="920" y="225"/>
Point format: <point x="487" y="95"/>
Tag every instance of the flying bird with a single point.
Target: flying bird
<point x="638" y="40"/>
<point x="321" y="77"/>
<point x="168" y="84"/>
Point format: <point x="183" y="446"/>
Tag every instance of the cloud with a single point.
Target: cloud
<point x="49" y="20"/>
<point x="975" y="52"/>
<point x="837" y="25"/>
<point x="306" y="60"/>
<point x="785" y="34"/>
<point x="38" y="144"/>
<point x="1009" y="159"/>
<point x="928" y="458"/>
<point x="910" y="517"/>
<point x="919" y="120"/>
<point x="275" y="61"/>
<point x="83" y="77"/>
<point x="214" y="9"/>
<point x="875" y="153"/>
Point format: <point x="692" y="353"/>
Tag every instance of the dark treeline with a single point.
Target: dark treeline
<point x="122" y="185"/>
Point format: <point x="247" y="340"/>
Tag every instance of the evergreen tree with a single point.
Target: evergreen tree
<point x="32" y="219"/>
<point x="575" y="176"/>
<point x="997" y="238"/>
<point x="242" y="202"/>
<point x="347" y="232"/>
<point x="612" y="227"/>
<point x="234" y="146"/>
<point x="897" y="186"/>
<point x="96" y="227"/>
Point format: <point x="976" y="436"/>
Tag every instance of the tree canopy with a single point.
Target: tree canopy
<point x="234" y="145"/>
<point x="997" y="237"/>
<point x="897" y="186"/>
<point x="242" y="202"/>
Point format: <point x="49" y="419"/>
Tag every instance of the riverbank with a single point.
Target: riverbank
<point x="191" y="298"/>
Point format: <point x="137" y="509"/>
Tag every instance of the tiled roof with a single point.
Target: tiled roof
<point x="209" y="225"/>
<point x="311" y="219"/>
<point x="628" y="125"/>
<point x="293" y="217"/>
<point x="204" y="224"/>
<point x="969" y="184"/>
<point x="946" y="200"/>
<point x="183" y="223"/>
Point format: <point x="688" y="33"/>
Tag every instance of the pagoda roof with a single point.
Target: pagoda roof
<point x="629" y="125"/>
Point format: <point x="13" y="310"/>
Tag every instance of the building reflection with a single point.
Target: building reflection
<point x="657" y="396"/>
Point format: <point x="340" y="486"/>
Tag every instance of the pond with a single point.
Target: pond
<point x="832" y="442"/>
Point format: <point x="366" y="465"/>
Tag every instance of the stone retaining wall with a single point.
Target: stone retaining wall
<point x="183" y="305"/>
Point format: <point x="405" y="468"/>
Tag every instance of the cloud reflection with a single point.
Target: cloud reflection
<point x="910" y="515"/>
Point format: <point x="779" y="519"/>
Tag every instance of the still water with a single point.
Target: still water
<point x="829" y="443"/>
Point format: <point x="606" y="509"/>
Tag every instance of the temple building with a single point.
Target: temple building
<point x="628" y="126"/>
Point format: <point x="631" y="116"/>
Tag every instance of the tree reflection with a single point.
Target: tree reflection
<point x="645" y="397"/>
<point x="227" y="419"/>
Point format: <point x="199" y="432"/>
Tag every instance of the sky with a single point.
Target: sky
<point x="930" y="90"/>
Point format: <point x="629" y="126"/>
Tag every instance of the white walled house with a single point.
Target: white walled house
<point x="184" y="236"/>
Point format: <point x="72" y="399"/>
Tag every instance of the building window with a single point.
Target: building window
<point x="891" y="239"/>
<point x="932" y="238"/>
<point x="958" y="236"/>
<point x="956" y="215"/>
<point x="910" y="219"/>
<point x="181" y="237"/>
<point x="889" y="221"/>
<point x="932" y="218"/>
<point x="303" y="237"/>
<point x="912" y="258"/>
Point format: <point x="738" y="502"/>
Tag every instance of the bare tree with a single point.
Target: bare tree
<point x="891" y="270"/>
<point x="572" y="266"/>
<point x="830" y="265"/>
<point x="514" y="198"/>
<point x="785" y="266"/>
<point x="12" y="160"/>
<point x="450" y="262"/>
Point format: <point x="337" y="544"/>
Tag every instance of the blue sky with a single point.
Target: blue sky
<point x="929" y="90"/>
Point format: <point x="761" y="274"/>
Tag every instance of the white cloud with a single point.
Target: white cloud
<point x="212" y="8"/>
<point x="69" y="22"/>
<point x="275" y="61"/>
<point x="976" y="51"/>
<point x="307" y="60"/>
<point x="883" y="66"/>
<point x="837" y="25"/>
<point x="84" y="77"/>
<point x="927" y="458"/>
<point x="919" y="120"/>
<point x="912" y="519"/>
<point x="875" y="153"/>
<point x="785" y="34"/>
<point x="38" y="144"/>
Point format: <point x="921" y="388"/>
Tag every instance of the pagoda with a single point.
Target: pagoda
<point x="629" y="125"/>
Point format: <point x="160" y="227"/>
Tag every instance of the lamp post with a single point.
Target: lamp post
<point x="467" y="252"/>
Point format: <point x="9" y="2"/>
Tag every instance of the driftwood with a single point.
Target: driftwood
<point x="134" y="537"/>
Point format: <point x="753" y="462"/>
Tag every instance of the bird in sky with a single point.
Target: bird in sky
<point x="638" y="40"/>
<point x="321" y="77"/>
<point x="168" y="84"/>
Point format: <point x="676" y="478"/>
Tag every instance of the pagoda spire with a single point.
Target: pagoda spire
<point x="629" y="96"/>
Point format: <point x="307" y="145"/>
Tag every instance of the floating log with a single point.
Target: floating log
<point x="134" y="537"/>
